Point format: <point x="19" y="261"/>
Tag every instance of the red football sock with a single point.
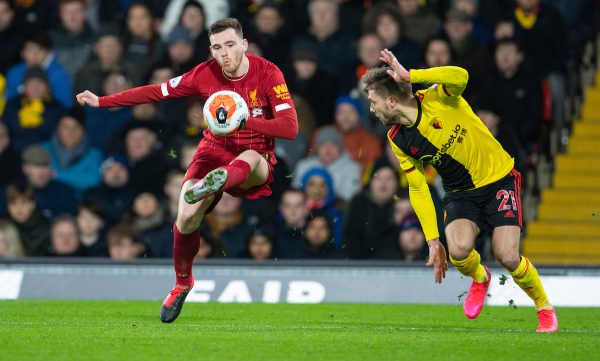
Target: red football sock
<point x="185" y="248"/>
<point x="237" y="173"/>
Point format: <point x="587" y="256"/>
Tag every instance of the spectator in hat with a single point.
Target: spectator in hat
<point x="108" y="51"/>
<point x="318" y="88"/>
<point x="72" y="158"/>
<point x="37" y="52"/>
<point x="369" y="223"/>
<point x="72" y="36"/>
<point x="32" y="116"/>
<point x="32" y="225"/>
<point x="52" y="196"/>
<point x="329" y="153"/>
<point x="362" y="146"/>
<point x="114" y="195"/>
<point x="180" y="50"/>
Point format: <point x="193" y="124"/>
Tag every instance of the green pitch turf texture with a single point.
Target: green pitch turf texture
<point x="131" y="330"/>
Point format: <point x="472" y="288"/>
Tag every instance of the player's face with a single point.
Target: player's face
<point x="380" y="108"/>
<point x="228" y="48"/>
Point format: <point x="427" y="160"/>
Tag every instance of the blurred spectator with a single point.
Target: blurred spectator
<point x="581" y="20"/>
<point x="317" y="185"/>
<point x="210" y="246"/>
<point x="10" y="162"/>
<point x="420" y="22"/>
<point x="64" y="237"/>
<point x="368" y="225"/>
<point x="330" y="154"/>
<point x="172" y="189"/>
<point x="33" y="227"/>
<point x="37" y="52"/>
<point x="142" y="44"/>
<point x="171" y="114"/>
<point x="542" y="31"/>
<point x="318" y="235"/>
<point x="193" y="18"/>
<point x="72" y="159"/>
<point x="147" y="165"/>
<point x="123" y="243"/>
<point x="402" y="208"/>
<point x="318" y="88"/>
<point x="72" y="36"/>
<point x="149" y="223"/>
<point x="269" y="33"/>
<point x="411" y="241"/>
<point x="504" y="134"/>
<point x="213" y="10"/>
<point x="52" y="197"/>
<point x="228" y="222"/>
<point x="290" y="223"/>
<point x="469" y="54"/>
<point x="514" y="92"/>
<point x="114" y="195"/>
<point x="437" y="51"/>
<point x="32" y="116"/>
<point x="108" y="51"/>
<point x="362" y="146"/>
<point x="335" y="53"/>
<point x="180" y="50"/>
<point x="386" y="21"/>
<point x="90" y="222"/>
<point x="476" y="10"/>
<point x="10" y="242"/>
<point x="11" y="36"/>
<point x="261" y="244"/>
<point x="186" y="155"/>
<point x="105" y="123"/>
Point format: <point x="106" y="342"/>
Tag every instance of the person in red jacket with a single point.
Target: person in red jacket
<point x="240" y="164"/>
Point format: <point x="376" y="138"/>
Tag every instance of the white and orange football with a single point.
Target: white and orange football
<point x="225" y="112"/>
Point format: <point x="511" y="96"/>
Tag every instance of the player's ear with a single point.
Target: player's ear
<point x="245" y="45"/>
<point x="391" y="101"/>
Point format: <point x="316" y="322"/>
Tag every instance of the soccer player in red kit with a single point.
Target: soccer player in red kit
<point x="240" y="164"/>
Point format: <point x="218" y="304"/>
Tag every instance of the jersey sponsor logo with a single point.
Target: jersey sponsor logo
<point x="253" y="99"/>
<point x="281" y="92"/>
<point x="437" y="158"/>
<point x="175" y="81"/>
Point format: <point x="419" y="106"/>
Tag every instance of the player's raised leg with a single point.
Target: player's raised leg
<point x="461" y="234"/>
<point x="505" y="243"/>
<point x="247" y="170"/>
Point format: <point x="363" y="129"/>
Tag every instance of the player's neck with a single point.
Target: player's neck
<point x="408" y="112"/>
<point x="241" y="70"/>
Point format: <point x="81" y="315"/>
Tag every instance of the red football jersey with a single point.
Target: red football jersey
<point x="272" y="112"/>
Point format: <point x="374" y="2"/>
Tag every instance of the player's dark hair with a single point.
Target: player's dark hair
<point x="381" y="82"/>
<point x="224" y="24"/>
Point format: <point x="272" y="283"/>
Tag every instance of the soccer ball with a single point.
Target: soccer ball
<point x="225" y="112"/>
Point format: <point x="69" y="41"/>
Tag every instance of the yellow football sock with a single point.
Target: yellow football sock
<point x="471" y="266"/>
<point x="527" y="278"/>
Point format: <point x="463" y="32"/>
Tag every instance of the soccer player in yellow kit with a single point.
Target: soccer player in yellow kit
<point x="482" y="187"/>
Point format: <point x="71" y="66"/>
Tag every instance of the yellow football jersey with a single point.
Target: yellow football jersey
<point x="451" y="138"/>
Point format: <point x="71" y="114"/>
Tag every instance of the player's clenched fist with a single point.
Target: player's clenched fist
<point x="87" y="98"/>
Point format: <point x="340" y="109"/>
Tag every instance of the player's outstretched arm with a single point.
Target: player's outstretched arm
<point x="87" y="98"/>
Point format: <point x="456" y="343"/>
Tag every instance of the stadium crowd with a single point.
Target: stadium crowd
<point x="105" y="182"/>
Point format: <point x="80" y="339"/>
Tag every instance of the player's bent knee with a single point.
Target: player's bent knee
<point x="459" y="251"/>
<point x="509" y="261"/>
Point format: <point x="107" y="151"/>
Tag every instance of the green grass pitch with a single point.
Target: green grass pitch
<point x="131" y="330"/>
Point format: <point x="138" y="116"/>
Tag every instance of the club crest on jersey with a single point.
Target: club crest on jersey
<point x="414" y="149"/>
<point x="175" y="81"/>
<point x="253" y="99"/>
<point x="436" y="123"/>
